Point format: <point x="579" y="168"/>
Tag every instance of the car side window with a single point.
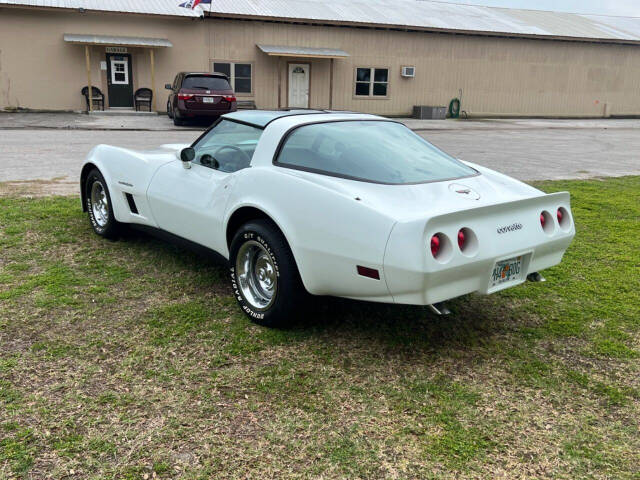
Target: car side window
<point x="228" y="147"/>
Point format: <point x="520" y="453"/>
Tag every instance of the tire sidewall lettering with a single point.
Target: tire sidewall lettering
<point x="247" y="236"/>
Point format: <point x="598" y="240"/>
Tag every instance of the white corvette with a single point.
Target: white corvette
<point x="329" y="203"/>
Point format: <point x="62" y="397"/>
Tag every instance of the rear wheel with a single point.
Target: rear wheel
<point x="169" y="113"/>
<point x="264" y="275"/>
<point x="178" y="122"/>
<point x="99" y="206"/>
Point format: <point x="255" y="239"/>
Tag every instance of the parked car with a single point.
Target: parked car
<point x="341" y="204"/>
<point x="195" y="95"/>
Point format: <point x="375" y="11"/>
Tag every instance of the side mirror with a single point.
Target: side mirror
<point x="168" y="86"/>
<point x="187" y="155"/>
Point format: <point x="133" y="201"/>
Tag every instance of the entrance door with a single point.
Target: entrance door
<point x="299" y="85"/>
<point x="119" y="80"/>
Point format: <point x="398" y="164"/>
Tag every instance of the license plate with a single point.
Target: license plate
<point x="207" y="99"/>
<point x="506" y="271"/>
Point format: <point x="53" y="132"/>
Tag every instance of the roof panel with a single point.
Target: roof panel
<point x="150" y="7"/>
<point x="420" y="14"/>
<point x="440" y="16"/>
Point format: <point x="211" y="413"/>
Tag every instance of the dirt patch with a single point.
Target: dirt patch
<point x="39" y="188"/>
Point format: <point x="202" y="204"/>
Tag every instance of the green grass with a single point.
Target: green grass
<point x="130" y="358"/>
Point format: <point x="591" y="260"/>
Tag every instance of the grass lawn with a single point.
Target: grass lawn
<point x="130" y="360"/>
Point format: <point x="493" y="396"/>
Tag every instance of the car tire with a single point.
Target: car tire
<point x="264" y="275"/>
<point x="178" y="122"/>
<point x="169" y="114"/>
<point x="99" y="206"/>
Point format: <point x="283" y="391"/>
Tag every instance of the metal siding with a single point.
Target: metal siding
<point x="498" y="76"/>
<point x="63" y="63"/>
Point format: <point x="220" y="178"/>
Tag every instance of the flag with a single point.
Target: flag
<point x="194" y="3"/>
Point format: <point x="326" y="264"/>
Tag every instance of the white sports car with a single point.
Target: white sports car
<point x="330" y="203"/>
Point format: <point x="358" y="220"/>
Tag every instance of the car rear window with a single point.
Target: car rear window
<point x="206" y="82"/>
<point x="374" y="151"/>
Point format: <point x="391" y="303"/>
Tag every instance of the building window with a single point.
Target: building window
<point x="239" y="75"/>
<point x="372" y="82"/>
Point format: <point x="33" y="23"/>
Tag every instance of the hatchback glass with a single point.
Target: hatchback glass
<point x="374" y="151"/>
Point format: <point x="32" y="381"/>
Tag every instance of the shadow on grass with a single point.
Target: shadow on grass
<point x="474" y="319"/>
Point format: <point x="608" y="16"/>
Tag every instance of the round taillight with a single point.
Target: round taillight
<point x="542" y="220"/>
<point x="559" y="214"/>
<point x="435" y="245"/>
<point x="461" y="239"/>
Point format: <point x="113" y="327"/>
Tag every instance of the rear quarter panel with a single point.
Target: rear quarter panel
<point x="329" y="231"/>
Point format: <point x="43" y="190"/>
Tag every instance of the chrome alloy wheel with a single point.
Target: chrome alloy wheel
<point x="99" y="204"/>
<point x="257" y="275"/>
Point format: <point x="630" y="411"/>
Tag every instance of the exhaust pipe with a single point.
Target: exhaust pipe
<point x="536" y="277"/>
<point x="439" y="308"/>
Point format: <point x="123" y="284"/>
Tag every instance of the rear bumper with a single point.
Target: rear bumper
<point x="184" y="112"/>
<point x="428" y="280"/>
<point x="423" y="288"/>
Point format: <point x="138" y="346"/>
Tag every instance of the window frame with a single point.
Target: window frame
<point x="232" y="76"/>
<point x="320" y="171"/>
<point x="372" y="73"/>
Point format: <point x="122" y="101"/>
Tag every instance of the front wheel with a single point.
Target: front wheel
<point x="99" y="205"/>
<point x="264" y="275"/>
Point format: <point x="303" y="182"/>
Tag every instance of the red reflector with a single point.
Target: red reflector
<point x="559" y="216"/>
<point x="185" y="96"/>
<point x="542" y="220"/>
<point x="368" y="272"/>
<point x="230" y="99"/>
<point x="435" y="245"/>
<point x="461" y="239"/>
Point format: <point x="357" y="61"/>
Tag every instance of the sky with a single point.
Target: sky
<point x="629" y="8"/>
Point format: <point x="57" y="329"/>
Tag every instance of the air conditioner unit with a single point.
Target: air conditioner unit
<point x="409" y="72"/>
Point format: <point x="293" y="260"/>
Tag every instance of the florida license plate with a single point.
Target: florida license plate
<point x="506" y="271"/>
<point x="207" y="99"/>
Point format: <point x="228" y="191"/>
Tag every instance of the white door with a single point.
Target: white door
<point x="299" y="85"/>
<point x="191" y="202"/>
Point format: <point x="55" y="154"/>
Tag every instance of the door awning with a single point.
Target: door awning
<point x="117" y="40"/>
<point x="302" y="52"/>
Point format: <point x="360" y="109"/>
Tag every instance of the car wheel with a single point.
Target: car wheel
<point x="169" y="114"/>
<point x="264" y="275"/>
<point x="178" y="122"/>
<point x="99" y="206"/>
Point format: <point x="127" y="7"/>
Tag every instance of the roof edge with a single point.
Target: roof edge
<point x="87" y="10"/>
<point x="413" y="28"/>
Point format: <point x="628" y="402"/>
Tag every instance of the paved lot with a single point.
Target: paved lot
<point x="525" y="149"/>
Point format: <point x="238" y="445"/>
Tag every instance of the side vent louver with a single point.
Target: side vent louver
<point x="132" y="203"/>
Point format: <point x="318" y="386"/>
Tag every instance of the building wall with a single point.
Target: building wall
<point x="495" y="76"/>
<point x="41" y="71"/>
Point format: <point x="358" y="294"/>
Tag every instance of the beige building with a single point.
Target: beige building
<point x="380" y="56"/>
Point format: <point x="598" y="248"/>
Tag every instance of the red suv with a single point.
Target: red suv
<point x="199" y="95"/>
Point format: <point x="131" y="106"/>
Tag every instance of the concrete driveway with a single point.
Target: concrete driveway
<point x="526" y="149"/>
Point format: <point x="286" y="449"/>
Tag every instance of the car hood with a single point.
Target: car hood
<point x="409" y="202"/>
